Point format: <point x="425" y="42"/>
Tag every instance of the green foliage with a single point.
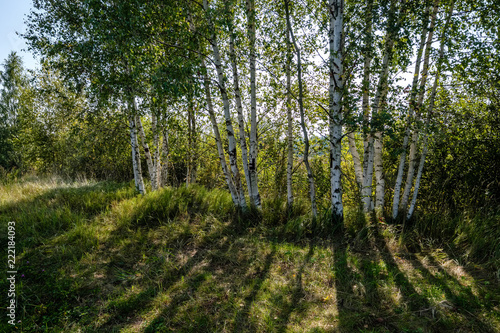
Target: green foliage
<point x="12" y="80"/>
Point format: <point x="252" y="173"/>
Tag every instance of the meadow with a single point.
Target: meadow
<point x="97" y="257"/>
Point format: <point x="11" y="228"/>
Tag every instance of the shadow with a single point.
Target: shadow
<point x="298" y="293"/>
<point x="257" y="278"/>
<point x="181" y="273"/>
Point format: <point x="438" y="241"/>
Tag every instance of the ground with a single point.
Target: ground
<point x="95" y="257"/>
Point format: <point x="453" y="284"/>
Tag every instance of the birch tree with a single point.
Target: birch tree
<point x="412" y="106"/>
<point x="241" y="202"/>
<point x="289" y="117"/>
<point x="430" y="110"/>
<point x="336" y="91"/>
<point x="252" y="168"/>
<point x="412" y="157"/>
<point x="310" y="176"/>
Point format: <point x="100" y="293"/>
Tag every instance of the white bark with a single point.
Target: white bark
<point x="241" y="202"/>
<point x="429" y="113"/>
<point x="358" y="170"/>
<point x="136" y="157"/>
<point x="191" y="160"/>
<point x="253" y="106"/>
<point x="336" y="91"/>
<point x="289" y="165"/>
<point x="239" y="109"/>
<point x="366" y="192"/>
<point x="379" y="172"/>
<point x="412" y="158"/>
<point x="165" y="152"/>
<point x="366" y="188"/>
<point x="379" y="101"/>
<point x="155" y="179"/>
<point x="402" y="158"/>
<point x="310" y="177"/>
<point x="145" y="146"/>
<point x="218" y="140"/>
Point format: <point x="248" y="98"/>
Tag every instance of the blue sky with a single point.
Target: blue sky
<point x="12" y="14"/>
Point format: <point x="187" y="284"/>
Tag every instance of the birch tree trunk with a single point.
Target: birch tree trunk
<point x="239" y="109"/>
<point x="378" y="102"/>
<point x="310" y="177"/>
<point x="289" y="165"/>
<point x="165" y="156"/>
<point x="191" y="169"/>
<point x="358" y="170"/>
<point x="402" y="158"/>
<point x="240" y="195"/>
<point x="155" y="181"/>
<point x="366" y="193"/>
<point x="136" y="157"/>
<point x="412" y="158"/>
<point x="145" y="146"/>
<point x="379" y="173"/>
<point x="253" y="106"/>
<point x="366" y="188"/>
<point x="218" y="140"/>
<point x="430" y="112"/>
<point x="336" y="92"/>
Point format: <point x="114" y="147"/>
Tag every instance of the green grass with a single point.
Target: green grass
<point x="95" y="257"/>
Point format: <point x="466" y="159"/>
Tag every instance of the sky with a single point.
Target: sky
<point x="12" y="15"/>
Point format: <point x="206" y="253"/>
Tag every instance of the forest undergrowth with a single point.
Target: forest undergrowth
<point x="97" y="257"/>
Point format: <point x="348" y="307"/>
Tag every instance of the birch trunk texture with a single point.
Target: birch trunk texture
<point x="145" y="146"/>
<point x="358" y="170"/>
<point x="336" y="92"/>
<point x="379" y="173"/>
<point x="136" y="157"/>
<point x="289" y="165"/>
<point x="191" y="165"/>
<point x="218" y="140"/>
<point x="412" y="158"/>
<point x="241" y="202"/>
<point x="155" y="181"/>
<point x="239" y="109"/>
<point x="430" y="111"/>
<point x="253" y="106"/>
<point x="310" y="177"/>
<point x="402" y="158"/>
<point x="165" y="152"/>
<point x="366" y="193"/>
<point x="378" y="102"/>
<point x="366" y="188"/>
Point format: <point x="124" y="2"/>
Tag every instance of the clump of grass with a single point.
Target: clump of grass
<point x="473" y="235"/>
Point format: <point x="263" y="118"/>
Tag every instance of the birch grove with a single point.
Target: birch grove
<point x="331" y="101"/>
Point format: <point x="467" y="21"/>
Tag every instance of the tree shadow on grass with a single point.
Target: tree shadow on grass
<point x="360" y="275"/>
<point x="295" y="304"/>
<point x="461" y="304"/>
<point x="242" y="317"/>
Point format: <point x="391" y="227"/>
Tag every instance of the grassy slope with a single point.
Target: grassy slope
<point x="96" y="258"/>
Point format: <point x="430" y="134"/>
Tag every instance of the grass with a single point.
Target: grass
<point x="94" y="257"/>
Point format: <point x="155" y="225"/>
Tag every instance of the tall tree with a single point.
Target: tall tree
<point x="232" y="152"/>
<point x="336" y="92"/>
<point x="430" y="110"/>
<point x="310" y="176"/>
<point x="252" y="168"/>
<point x="412" y="107"/>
